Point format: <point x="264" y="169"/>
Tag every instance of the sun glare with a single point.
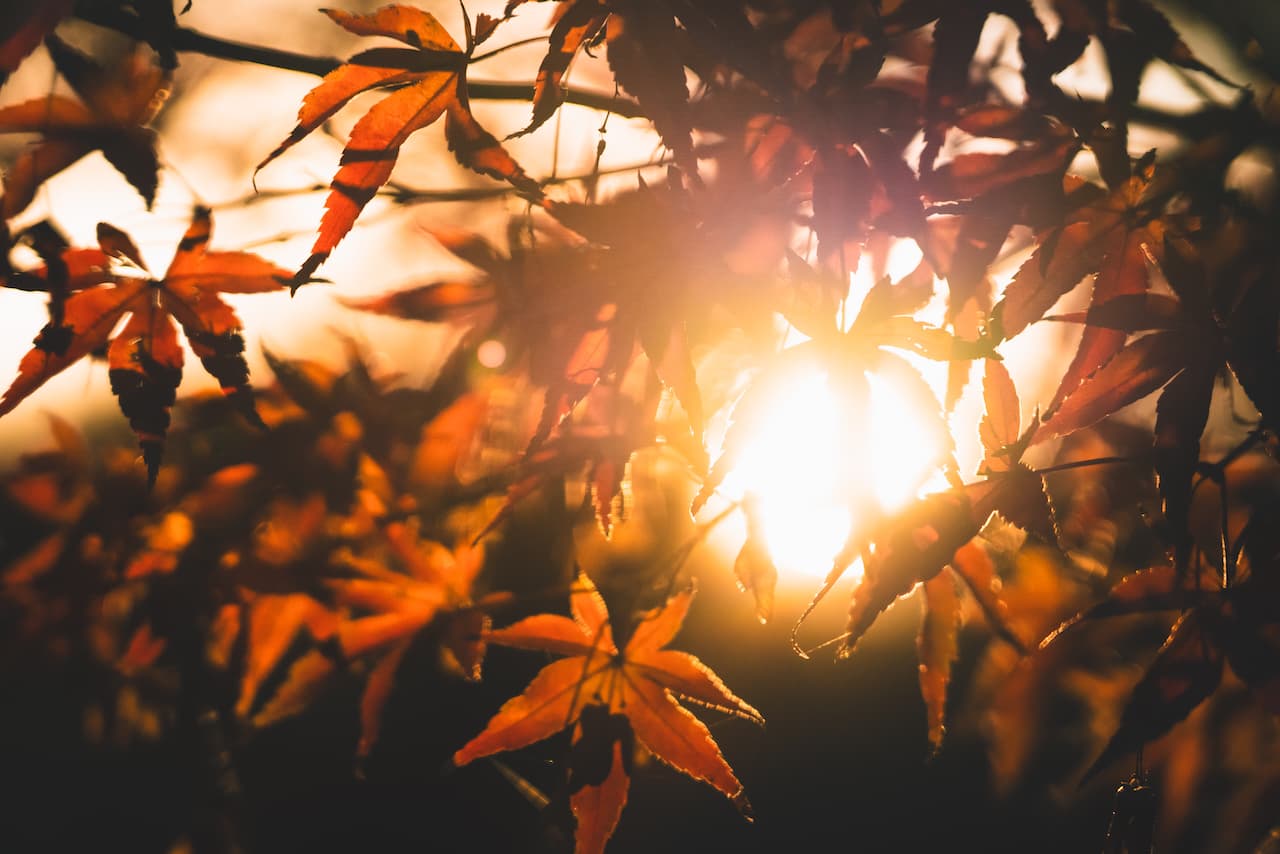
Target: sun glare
<point x="904" y="454"/>
<point x="793" y="464"/>
<point x="794" y="460"/>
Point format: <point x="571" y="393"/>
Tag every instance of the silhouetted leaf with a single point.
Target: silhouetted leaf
<point x="23" y="27"/>
<point x="578" y="23"/>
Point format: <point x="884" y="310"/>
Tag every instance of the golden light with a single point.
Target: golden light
<point x="794" y="458"/>
<point x="790" y="465"/>
<point x="904" y="453"/>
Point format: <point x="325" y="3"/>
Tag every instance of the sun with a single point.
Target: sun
<point x="793" y="462"/>
<point x="797" y="461"/>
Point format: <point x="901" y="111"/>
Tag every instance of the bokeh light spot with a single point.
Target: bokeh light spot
<point x="492" y="354"/>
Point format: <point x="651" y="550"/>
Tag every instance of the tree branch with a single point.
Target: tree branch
<point x="186" y="40"/>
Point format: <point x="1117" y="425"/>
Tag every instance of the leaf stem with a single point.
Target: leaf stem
<point x="506" y="47"/>
<point x="1080" y="464"/>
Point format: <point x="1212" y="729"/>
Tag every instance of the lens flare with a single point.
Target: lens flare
<point x="492" y="354"/>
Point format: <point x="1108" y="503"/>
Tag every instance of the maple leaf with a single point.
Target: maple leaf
<point x="1100" y="235"/>
<point x="145" y="358"/>
<point x="22" y="27"/>
<point x="643" y="52"/>
<point x="595" y="445"/>
<point x="429" y="81"/>
<point x="272" y="626"/>
<point x="931" y="544"/>
<point x="629" y="317"/>
<point x="1187" y="670"/>
<point x="577" y="24"/>
<point x="111" y="116"/>
<point x="607" y="694"/>
<point x="1211" y="324"/>
<point x="1012" y="489"/>
<point x="956" y="33"/>
<point x="1236" y="625"/>
<point x="436" y="583"/>
<point x="932" y="536"/>
<point x="1132" y="34"/>
<point x="1026" y="185"/>
<point x="54" y="486"/>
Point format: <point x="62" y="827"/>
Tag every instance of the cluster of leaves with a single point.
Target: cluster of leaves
<point x="343" y="529"/>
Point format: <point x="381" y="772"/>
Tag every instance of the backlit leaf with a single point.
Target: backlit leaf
<point x="145" y="359"/>
<point x="937" y="647"/>
<point x="431" y="76"/>
<point x="1135" y="372"/>
<point x="597" y="686"/>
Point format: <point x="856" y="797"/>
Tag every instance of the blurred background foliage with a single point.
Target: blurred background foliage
<point x="140" y="712"/>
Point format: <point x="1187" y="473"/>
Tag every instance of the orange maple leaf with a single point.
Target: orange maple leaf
<point x="111" y="116"/>
<point x="145" y="358"/>
<point x="599" y="689"/>
<point x="430" y="76"/>
<point x="271" y="625"/>
<point x="436" y="585"/>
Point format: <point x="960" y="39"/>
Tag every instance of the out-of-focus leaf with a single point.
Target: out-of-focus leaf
<point x="438" y="302"/>
<point x="974" y="567"/>
<point x="1185" y="672"/>
<point x="1181" y="414"/>
<point x="111" y="116"/>
<point x="273" y="625"/>
<point x="754" y="567"/>
<point x="145" y="647"/>
<point x="304" y="681"/>
<point x="1158" y="588"/>
<point x="1157" y="35"/>
<point x="377" y="690"/>
<point x="937" y="647"/>
<point x="23" y="27"/>
<point x="842" y="189"/>
<point x="643" y="40"/>
<point x="970" y="175"/>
